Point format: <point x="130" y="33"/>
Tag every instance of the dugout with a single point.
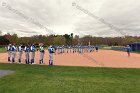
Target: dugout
<point x="135" y="46"/>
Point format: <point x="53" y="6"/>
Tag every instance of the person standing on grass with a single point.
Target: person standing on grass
<point x="8" y="48"/>
<point x="27" y="50"/>
<point x="128" y="49"/>
<point x="42" y="51"/>
<point x="20" y="53"/>
<point x="13" y="49"/>
<point x="32" y="50"/>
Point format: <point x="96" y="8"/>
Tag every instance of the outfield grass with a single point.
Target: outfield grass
<point x="2" y="50"/>
<point x="45" y="79"/>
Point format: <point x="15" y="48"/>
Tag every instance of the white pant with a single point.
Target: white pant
<point x="51" y="56"/>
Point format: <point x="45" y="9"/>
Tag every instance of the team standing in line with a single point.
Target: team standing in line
<point x="31" y="49"/>
<point x="29" y="53"/>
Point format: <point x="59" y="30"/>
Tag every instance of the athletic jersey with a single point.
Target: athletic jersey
<point x="55" y="48"/>
<point x="96" y="47"/>
<point x="41" y="49"/>
<point x="128" y="49"/>
<point x="32" y="49"/>
<point x="51" y="50"/>
<point x="13" y="49"/>
<point x="8" y="48"/>
<point x="26" y="49"/>
<point x="19" y="49"/>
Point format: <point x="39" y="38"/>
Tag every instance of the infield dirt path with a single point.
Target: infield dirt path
<point x="102" y="58"/>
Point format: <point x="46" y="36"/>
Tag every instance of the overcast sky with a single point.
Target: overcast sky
<point x="60" y="17"/>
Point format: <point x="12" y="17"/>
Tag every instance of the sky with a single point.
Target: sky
<point x="35" y="17"/>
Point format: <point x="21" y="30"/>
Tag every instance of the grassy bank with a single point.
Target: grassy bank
<point x="57" y="79"/>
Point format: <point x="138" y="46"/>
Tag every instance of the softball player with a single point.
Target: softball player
<point x="128" y="49"/>
<point x="13" y="53"/>
<point x="41" y="49"/>
<point x="20" y="53"/>
<point x="59" y="50"/>
<point x="51" y="51"/>
<point x="27" y="59"/>
<point x="96" y="47"/>
<point x="8" y="48"/>
<point x="32" y="50"/>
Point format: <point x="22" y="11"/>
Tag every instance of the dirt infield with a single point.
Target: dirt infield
<point x="103" y="58"/>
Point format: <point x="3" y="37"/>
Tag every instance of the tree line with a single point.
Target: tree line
<point x="68" y="39"/>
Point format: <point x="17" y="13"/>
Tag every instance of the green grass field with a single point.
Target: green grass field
<point x="2" y="50"/>
<point x="57" y="79"/>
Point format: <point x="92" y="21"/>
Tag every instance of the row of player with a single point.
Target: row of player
<point x="30" y="52"/>
<point x="74" y="49"/>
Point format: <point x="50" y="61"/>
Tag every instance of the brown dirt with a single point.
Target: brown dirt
<point x="102" y="58"/>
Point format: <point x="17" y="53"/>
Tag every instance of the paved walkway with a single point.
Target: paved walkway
<point x="5" y="72"/>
